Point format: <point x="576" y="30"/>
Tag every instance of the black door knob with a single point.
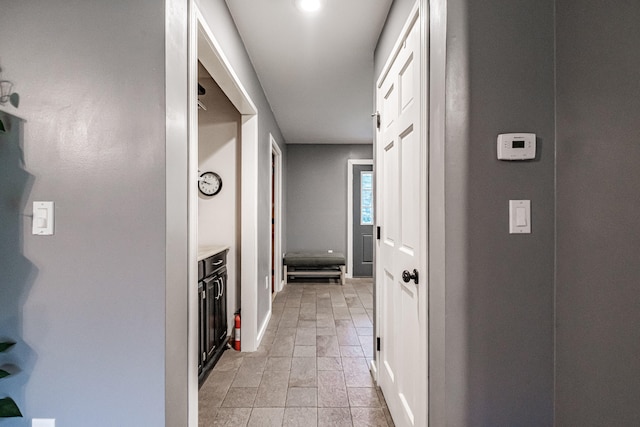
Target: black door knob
<point x="406" y="276"/>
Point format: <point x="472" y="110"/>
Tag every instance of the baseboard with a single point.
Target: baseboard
<point x="263" y="329"/>
<point x="373" y="368"/>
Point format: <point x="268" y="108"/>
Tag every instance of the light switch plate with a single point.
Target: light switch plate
<point x="42" y="218"/>
<point x="519" y="216"/>
<point x="43" y="422"/>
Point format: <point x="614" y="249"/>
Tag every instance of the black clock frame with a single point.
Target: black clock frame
<point x="219" y="179"/>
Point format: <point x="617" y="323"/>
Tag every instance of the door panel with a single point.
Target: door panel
<point x="367" y="244"/>
<point x="409" y="189"/>
<point x="402" y="188"/>
<point x="388" y="328"/>
<point x="390" y="194"/>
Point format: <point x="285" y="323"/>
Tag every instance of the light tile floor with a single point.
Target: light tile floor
<point x="311" y="368"/>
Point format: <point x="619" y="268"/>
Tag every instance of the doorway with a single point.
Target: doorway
<point x="204" y="49"/>
<point x="276" y="216"/>
<point x="360" y="221"/>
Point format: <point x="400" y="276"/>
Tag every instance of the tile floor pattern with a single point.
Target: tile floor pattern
<point x="310" y="370"/>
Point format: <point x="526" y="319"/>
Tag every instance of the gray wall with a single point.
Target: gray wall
<point x="505" y="281"/>
<point x="87" y="305"/>
<point x="598" y="237"/>
<point x="499" y="287"/>
<point x="224" y="29"/>
<point x="317" y="195"/>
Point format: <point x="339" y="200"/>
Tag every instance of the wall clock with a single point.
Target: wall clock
<point x="210" y="183"/>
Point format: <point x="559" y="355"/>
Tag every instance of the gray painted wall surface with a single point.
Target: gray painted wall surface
<point x="500" y="79"/>
<point x="509" y="282"/>
<point x="317" y="195"/>
<point x="224" y="29"/>
<point x="598" y="237"/>
<point x="86" y="305"/>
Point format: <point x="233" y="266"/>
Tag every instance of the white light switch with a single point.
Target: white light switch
<point x="43" y="422"/>
<point x="519" y="216"/>
<point x="42" y="218"/>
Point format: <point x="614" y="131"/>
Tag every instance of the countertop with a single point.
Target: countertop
<point x="207" y="251"/>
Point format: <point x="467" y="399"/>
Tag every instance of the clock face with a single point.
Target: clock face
<point x="210" y="183"/>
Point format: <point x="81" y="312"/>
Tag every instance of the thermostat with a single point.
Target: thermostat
<point x="516" y="146"/>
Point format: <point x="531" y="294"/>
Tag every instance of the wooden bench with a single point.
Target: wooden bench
<point x="314" y="264"/>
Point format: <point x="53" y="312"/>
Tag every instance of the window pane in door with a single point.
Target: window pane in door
<point x="366" y="198"/>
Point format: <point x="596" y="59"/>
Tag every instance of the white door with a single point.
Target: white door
<point x="401" y="165"/>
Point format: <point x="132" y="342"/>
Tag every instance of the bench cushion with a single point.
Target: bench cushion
<point x="313" y="259"/>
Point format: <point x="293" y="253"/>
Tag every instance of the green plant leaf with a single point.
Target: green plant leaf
<point x="9" y="409"/>
<point x="4" y="373"/>
<point x="4" y="346"/>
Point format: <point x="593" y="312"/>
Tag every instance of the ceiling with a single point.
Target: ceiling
<point x="316" y="68"/>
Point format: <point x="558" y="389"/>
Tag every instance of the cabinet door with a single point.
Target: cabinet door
<point x="222" y="303"/>
<point x="201" y="326"/>
<point x="216" y="312"/>
<point x="210" y="315"/>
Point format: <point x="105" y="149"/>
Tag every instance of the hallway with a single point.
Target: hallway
<point x="311" y="369"/>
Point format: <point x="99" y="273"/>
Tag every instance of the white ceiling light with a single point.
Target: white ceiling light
<point x="309" y="5"/>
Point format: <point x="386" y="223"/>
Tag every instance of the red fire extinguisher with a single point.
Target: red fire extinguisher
<point x="236" y="342"/>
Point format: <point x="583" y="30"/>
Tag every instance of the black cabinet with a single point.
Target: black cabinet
<point x="212" y="292"/>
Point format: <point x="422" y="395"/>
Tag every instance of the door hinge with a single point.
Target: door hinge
<point x="378" y="232"/>
<point x="378" y="343"/>
<point x="377" y="116"/>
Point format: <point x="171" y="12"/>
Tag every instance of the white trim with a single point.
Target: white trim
<point x="210" y="54"/>
<point x="275" y="150"/>
<point x="437" y="48"/>
<point x="373" y="368"/>
<point x="215" y="61"/>
<point x="413" y="16"/>
<point x="192" y="227"/>
<point x="350" y="164"/>
<point x="424" y="13"/>
<point x="263" y="327"/>
<point x="249" y="233"/>
<point x="181" y="342"/>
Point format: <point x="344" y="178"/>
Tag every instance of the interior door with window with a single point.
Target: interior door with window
<point x="362" y="221"/>
<point x="401" y="266"/>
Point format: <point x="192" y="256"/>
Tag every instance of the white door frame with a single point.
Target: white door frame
<point x="181" y="387"/>
<point x="420" y="11"/>
<point x="203" y="47"/>
<point x="350" y="164"/>
<point x="275" y="151"/>
<point x="210" y="54"/>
